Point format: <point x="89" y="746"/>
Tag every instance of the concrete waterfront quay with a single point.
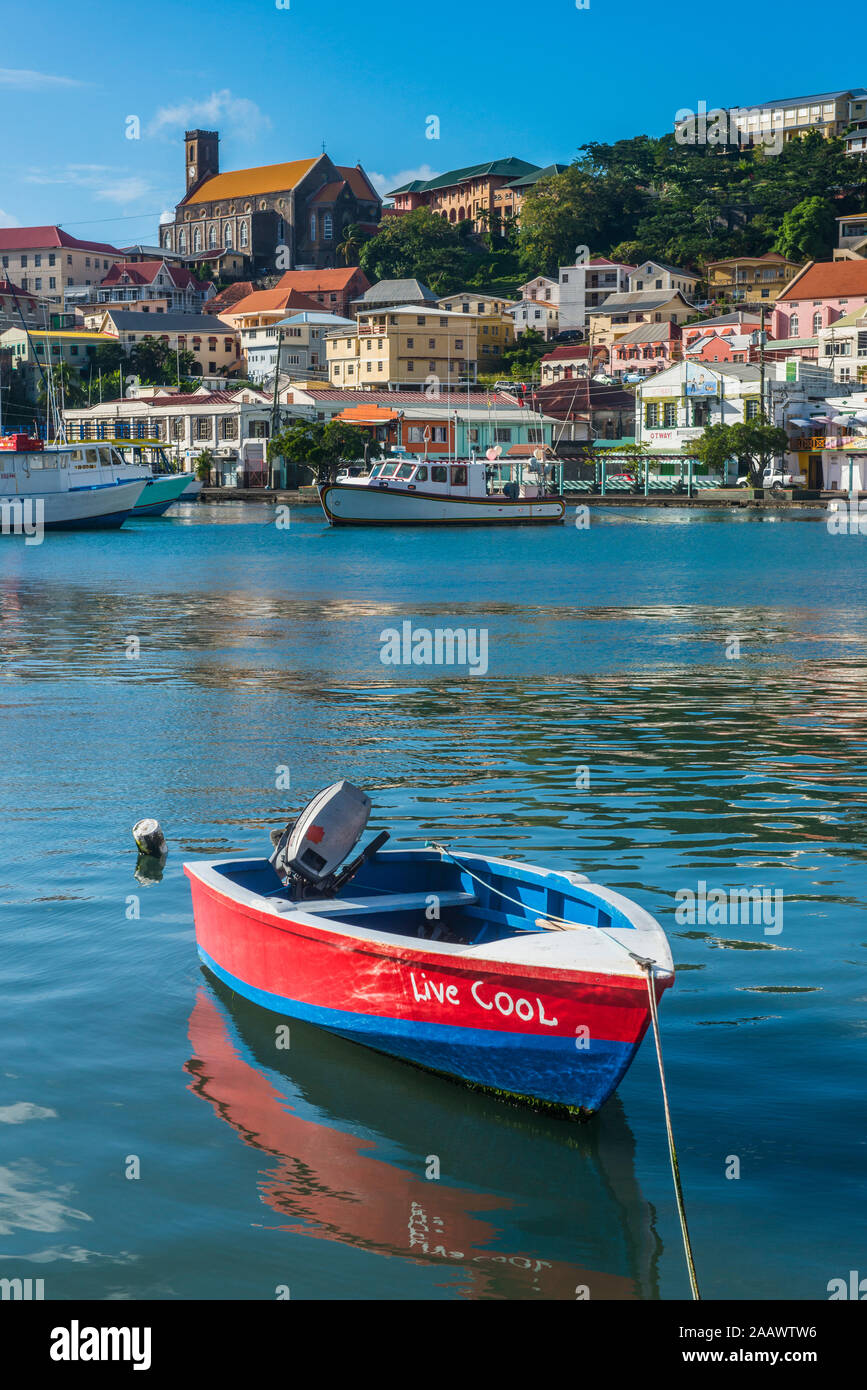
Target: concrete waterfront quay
<point x="760" y="499"/>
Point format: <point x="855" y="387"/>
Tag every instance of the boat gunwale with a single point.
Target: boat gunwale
<point x="369" y="941"/>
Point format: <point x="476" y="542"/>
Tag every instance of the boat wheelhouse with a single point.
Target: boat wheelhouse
<point x="411" y="492"/>
<point x="58" y="487"/>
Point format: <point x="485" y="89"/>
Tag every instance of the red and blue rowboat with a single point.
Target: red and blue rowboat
<point x="448" y="965"/>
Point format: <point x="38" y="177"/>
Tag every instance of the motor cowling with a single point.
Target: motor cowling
<point x="314" y="846"/>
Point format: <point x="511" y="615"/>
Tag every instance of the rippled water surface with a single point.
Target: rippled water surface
<point x="172" y="669"/>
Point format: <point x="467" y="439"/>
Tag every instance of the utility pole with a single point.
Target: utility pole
<point x="275" y="401"/>
<point x="762" y="414"/>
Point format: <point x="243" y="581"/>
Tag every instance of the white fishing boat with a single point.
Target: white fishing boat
<point x="55" y="487"/>
<point x="474" y="492"/>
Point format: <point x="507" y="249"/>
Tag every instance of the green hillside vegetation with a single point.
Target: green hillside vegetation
<point x="638" y="198"/>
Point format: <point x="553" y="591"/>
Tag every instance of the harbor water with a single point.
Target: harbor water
<point x="661" y="699"/>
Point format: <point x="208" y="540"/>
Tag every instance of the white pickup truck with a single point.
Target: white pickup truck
<point x="773" y="476"/>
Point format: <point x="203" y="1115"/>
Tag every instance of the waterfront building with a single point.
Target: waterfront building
<point x="280" y="216"/>
<point x="405" y="347"/>
<point x="820" y="293"/>
<point x="186" y="424"/>
<point x="674" y="407"/>
<point x="468" y="422"/>
<point x="589" y="410"/>
<point x="586" y="285"/>
<point x="462" y="195"/>
<point x="49" y="262"/>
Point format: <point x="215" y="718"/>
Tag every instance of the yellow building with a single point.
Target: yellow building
<point x="409" y="347"/>
<point x="495" y="325"/>
<point x="75" y="347"/>
<point x="750" y="279"/>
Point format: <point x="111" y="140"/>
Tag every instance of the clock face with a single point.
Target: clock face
<point x="192" y="171"/>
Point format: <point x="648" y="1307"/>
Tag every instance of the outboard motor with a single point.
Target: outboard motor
<point x="308" y="853"/>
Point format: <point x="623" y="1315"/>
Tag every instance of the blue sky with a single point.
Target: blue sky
<point x="536" y="81"/>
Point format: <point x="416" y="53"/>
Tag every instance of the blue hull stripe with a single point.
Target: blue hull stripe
<point x="110" y="521"/>
<point x="526" y="1064"/>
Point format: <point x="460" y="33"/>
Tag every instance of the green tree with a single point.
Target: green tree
<point x="67" y="384"/>
<point x="807" y="231"/>
<point x="321" y="447"/>
<point x="753" y="443"/>
<point x="420" y="245"/>
<point x="713" y="448"/>
<point x="156" y="363"/>
<point x="522" y="357"/>
<point x="756" y="443"/>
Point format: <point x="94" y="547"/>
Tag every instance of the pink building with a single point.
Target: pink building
<point x="723" y="347"/>
<point x="822" y="293"/>
<point x="649" y="347"/>
<point x="721" y="326"/>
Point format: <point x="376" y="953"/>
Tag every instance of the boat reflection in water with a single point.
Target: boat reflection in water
<point x="540" y="1208"/>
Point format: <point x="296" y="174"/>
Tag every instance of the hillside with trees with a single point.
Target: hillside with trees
<point x="638" y="198"/>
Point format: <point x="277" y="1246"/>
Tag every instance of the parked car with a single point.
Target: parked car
<point x="774" y="477"/>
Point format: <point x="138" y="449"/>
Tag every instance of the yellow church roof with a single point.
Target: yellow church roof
<point x="243" y="183"/>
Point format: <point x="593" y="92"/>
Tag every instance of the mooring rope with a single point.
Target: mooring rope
<point x="647" y="965"/>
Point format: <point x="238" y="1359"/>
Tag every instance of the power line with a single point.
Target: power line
<point x="97" y="221"/>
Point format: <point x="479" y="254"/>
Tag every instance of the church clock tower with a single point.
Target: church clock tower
<point x="203" y="155"/>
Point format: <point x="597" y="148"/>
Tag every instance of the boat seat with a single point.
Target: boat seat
<point x="384" y="902"/>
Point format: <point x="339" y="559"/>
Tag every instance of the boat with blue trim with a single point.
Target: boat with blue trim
<point x="410" y="491"/>
<point x="54" y="487"/>
<point x="527" y="981"/>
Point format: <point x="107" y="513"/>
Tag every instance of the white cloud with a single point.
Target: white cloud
<point x="124" y="190"/>
<point x="238" y="116"/>
<point x="104" y="181"/>
<point x="383" y="183"/>
<point x="24" y="80"/>
<point x="7" y="220"/>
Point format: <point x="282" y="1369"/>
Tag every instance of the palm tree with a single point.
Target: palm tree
<point x="351" y="244"/>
